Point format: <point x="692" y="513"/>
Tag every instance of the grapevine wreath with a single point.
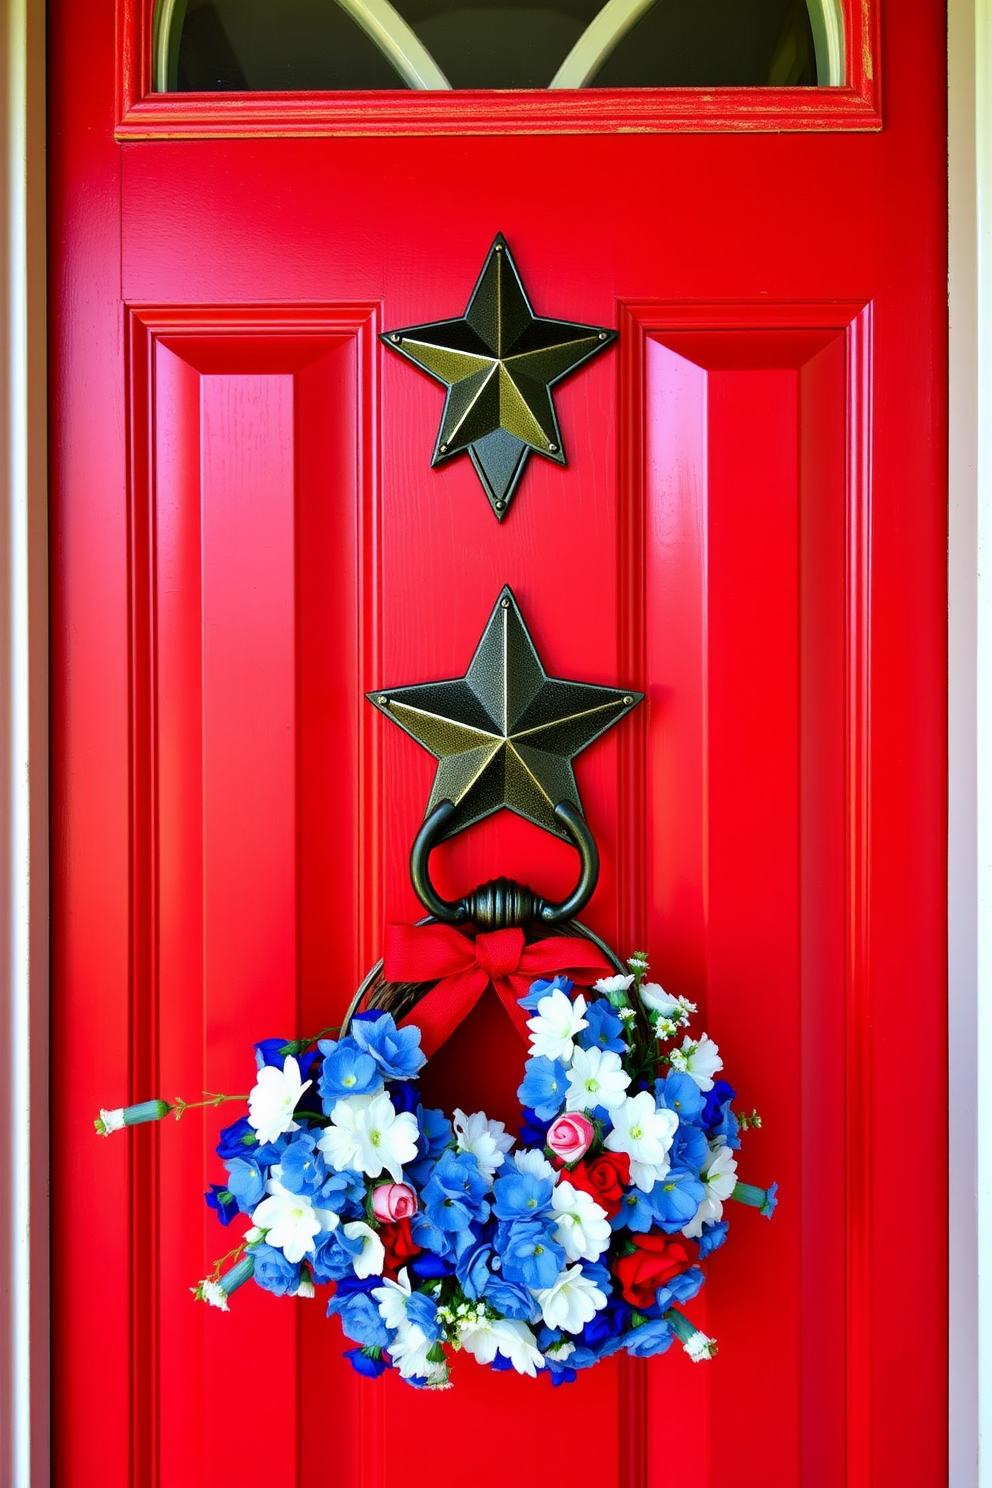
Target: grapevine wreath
<point x="543" y="1251"/>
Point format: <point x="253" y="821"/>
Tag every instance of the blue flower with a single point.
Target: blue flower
<point x="246" y="1181"/>
<point x="422" y="1310"/>
<point x="681" y="1288"/>
<point x="435" y="1135"/>
<point x="689" y="1149"/>
<point x="607" y="1324"/>
<point x="542" y="988"/>
<point x="359" y="1316"/>
<point x="771" y="1201"/>
<point x="241" y="1140"/>
<point x="397" y="1051"/>
<point x="532" y="1129"/>
<point x="681" y="1094"/>
<point x="272" y="1051"/>
<point x="522" y="1196"/>
<point x="529" y="1254"/>
<point x="544" y="1087"/>
<point x="511" y="1298"/>
<point x="347" y="1070"/>
<point x="335" y="1255"/>
<point x="274" y="1272"/>
<point x="652" y="1337"/>
<point x="343" y="1193"/>
<point x="636" y="1213"/>
<point x="429" y="1266"/>
<point x="456" y="1193"/>
<point x="405" y="1095"/>
<point x="676" y="1199"/>
<point x="604" y="1030"/>
<point x="718" y="1119"/>
<point x="223" y="1201"/>
<point x="302" y="1167"/>
<point x="712" y="1237"/>
<point x="472" y="1269"/>
<point x="368" y="1362"/>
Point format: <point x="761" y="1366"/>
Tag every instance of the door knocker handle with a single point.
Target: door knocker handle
<point x="503" y="902"/>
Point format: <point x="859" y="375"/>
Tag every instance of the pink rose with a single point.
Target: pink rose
<point x="569" y="1137"/>
<point x="393" y="1201"/>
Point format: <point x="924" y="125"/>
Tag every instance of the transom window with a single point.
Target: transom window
<point x="328" y="45"/>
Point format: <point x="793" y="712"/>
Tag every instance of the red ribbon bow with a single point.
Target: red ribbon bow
<point x="463" y="968"/>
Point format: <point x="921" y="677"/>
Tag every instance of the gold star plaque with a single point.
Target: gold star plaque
<point x="499" y="362"/>
<point x="506" y="733"/>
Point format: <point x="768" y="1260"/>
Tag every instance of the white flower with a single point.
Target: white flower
<point x="609" y="984"/>
<point x="561" y="1350"/>
<point x="113" y="1121"/>
<point x="583" y="1227"/>
<point x="699" y="1059"/>
<point x="671" y="1009"/>
<point x="645" y="1134"/>
<point x="719" y="1174"/>
<point x="483" y="1339"/>
<point x="699" y="1347"/>
<point x="274" y="1098"/>
<point x="391" y="1299"/>
<point x="597" y="1078"/>
<point x="486" y="1140"/>
<point x="253" y="1235"/>
<point x="212" y="1292"/>
<point x="572" y="1302"/>
<point x="291" y="1220"/>
<point x="409" y="1352"/>
<point x="306" y="1287"/>
<point x="367" y="1133"/>
<point x="558" y="1020"/>
<point x="372" y="1257"/>
<point x="531" y="1161"/>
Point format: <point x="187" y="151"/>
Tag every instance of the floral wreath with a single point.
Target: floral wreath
<point x="544" y="1253"/>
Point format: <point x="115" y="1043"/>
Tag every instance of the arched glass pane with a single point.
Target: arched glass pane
<point x="275" y="45"/>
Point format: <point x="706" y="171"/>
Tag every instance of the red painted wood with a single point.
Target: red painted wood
<point x="247" y="535"/>
<point x="142" y="114"/>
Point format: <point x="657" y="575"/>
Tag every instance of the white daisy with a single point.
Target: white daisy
<point x="583" y="1227"/>
<point x="274" y="1098"/>
<point x="558" y="1020"/>
<point x="572" y="1302"/>
<point x="596" y="1078"/>
<point x="645" y="1134"/>
<point x="699" y="1059"/>
<point x="486" y="1140"/>
<point x="291" y="1221"/>
<point x="372" y="1256"/>
<point x="367" y="1133"/>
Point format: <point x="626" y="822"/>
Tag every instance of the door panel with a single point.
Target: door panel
<point x="249" y="536"/>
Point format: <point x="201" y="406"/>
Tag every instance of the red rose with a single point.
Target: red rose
<point x="651" y="1265"/>
<point x="604" y="1177"/>
<point x="399" y="1246"/>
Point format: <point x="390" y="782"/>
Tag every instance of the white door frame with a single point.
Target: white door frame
<point x="24" y="1377"/>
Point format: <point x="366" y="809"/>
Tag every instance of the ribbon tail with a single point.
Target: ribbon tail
<point x="445" y="1006"/>
<point x="509" y="989"/>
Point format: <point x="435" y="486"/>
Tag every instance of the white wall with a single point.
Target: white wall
<point x="24" y="1426"/>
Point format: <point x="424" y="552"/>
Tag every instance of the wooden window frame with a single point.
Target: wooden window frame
<point x="142" y="114"/>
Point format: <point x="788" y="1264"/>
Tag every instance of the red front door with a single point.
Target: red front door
<point x="248" y="536"/>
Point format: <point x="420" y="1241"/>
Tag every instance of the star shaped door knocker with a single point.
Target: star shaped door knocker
<point x="506" y="733"/>
<point x="499" y="362"/>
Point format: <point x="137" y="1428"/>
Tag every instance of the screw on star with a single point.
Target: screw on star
<point x="499" y="362"/>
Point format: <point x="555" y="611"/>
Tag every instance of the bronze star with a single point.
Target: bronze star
<point x="506" y="733"/>
<point x="499" y="362"/>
